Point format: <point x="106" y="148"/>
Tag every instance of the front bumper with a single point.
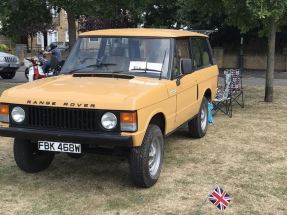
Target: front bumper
<point x="9" y="66"/>
<point x="95" y="138"/>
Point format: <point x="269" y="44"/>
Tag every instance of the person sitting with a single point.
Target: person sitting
<point x="56" y="58"/>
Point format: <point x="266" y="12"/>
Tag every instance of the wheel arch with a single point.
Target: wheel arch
<point x="208" y="94"/>
<point x="159" y="120"/>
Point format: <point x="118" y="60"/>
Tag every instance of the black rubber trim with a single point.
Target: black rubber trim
<point x="99" y="139"/>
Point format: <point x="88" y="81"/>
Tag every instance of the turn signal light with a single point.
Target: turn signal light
<point x="4" y="109"/>
<point x="4" y="113"/>
<point x="128" y="121"/>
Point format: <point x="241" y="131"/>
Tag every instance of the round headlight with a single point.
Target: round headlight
<point x="18" y="114"/>
<point x="109" y="121"/>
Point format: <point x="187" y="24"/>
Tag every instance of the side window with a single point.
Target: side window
<point x="181" y="51"/>
<point x="200" y="53"/>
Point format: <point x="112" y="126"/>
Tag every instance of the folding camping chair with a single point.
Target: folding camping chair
<point x="223" y="100"/>
<point x="233" y="91"/>
<point x="236" y="88"/>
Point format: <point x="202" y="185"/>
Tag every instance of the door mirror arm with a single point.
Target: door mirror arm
<point x="178" y="80"/>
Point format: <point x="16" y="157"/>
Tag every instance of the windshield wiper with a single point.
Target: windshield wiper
<point x="145" y="70"/>
<point x="97" y="65"/>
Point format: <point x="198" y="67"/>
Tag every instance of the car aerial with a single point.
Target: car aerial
<point x="120" y="89"/>
<point x="9" y="64"/>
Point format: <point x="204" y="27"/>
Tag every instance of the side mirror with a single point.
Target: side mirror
<point x="185" y="66"/>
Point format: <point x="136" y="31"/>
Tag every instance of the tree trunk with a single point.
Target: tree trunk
<point x="31" y="47"/>
<point x="270" y="62"/>
<point x="45" y="34"/>
<point x="72" y="29"/>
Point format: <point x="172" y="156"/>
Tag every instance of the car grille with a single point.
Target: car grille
<point x="64" y="118"/>
<point x="10" y="59"/>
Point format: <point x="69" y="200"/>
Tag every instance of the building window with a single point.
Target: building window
<point x="52" y="37"/>
<point x="39" y="38"/>
<point x="66" y="36"/>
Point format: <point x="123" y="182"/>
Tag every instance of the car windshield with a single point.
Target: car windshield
<point x="135" y="56"/>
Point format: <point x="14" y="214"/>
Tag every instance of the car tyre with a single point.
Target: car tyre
<point x="198" y="125"/>
<point x="8" y="75"/>
<point x="29" y="159"/>
<point x="146" y="160"/>
<point x="27" y="73"/>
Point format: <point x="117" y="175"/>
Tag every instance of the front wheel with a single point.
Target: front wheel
<point x="198" y="125"/>
<point x="29" y="159"/>
<point x="27" y="73"/>
<point x="146" y="160"/>
<point x="8" y="75"/>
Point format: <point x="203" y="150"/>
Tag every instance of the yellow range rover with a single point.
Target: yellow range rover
<point x="119" y="90"/>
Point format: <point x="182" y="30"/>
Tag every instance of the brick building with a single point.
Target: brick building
<point x="58" y="34"/>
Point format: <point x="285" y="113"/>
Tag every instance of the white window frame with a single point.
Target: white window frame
<point x="66" y="36"/>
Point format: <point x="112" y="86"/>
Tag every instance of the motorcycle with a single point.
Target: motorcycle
<point x="35" y="71"/>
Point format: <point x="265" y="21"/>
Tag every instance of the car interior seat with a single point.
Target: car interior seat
<point x="118" y="57"/>
<point x="205" y="59"/>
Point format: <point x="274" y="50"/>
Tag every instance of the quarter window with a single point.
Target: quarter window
<point x="200" y="53"/>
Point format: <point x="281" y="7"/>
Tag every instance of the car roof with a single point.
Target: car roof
<point x="142" y="32"/>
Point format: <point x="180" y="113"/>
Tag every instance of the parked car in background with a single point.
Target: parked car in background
<point x="63" y="46"/>
<point x="9" y="64"/>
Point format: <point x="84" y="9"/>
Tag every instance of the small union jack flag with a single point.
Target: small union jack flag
<point x="219" y="198"/>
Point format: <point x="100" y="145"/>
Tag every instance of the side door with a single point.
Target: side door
<point x="186" y="90"/>
<point x="205" y="72"/>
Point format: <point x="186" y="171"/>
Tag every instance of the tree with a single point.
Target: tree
<point x="157" y="13"/>
<point x="77" y="9"/>
<point x="247" y="15"/>
<point x="268" y="15"/>
<point x="116" y="14"/>
<point x="271" y="14"/>
<point x="24" y="18"/>
<point x="74" y="9"/>
<point x="197" y="14"/>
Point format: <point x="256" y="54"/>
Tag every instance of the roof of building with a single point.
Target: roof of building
<point x="142" y="32"/>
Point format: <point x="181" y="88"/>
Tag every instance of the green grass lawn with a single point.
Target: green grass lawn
<point x="246" y="155"/>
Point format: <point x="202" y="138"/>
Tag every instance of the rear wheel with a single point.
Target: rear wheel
<point x="29" y="159"/>
<point x="146" y="160"/>
<point x="8" y="75"/>
<point x="198" y="125"/>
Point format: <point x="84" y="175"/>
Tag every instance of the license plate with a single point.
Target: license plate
<point x="13" y="66"/>
<point x="59" y="147"/>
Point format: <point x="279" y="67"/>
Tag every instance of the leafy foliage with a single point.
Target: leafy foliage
<point x="3" y="48"/>
<point x="157" y="13"/>
<point x="24" y="17"/>
<point x="197" y="14"/>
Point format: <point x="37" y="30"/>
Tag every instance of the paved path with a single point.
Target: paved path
<point x="251" y="78"/>
<point x="257" y="78"/>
